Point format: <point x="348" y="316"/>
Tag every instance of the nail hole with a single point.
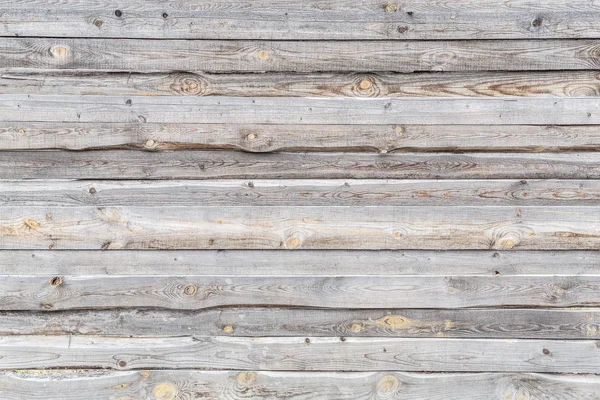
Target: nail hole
<point x="307" y="341"/>
<point x="118" y="13"/>
<point x="122" y="364"/>
<point x="546" y="352"/>
<point x="56" y="281"/>
<point x="92" y="190"/>
<point x="165" y="15"/>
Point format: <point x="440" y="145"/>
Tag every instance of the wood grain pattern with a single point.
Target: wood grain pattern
<point x="187" y="384"/>
<point x="298" y="56"/>
<point x="293" y="110"/>
<point x="123" y="164"/>
<point x="324" y="84"/>
<point x="301" y="192"/>
<point x="22" y="293"/>
<point x="274" y="321"/>
<point x="435" y="228"/>
<point x="299" y="354"/>
<point x="299" y="138"/>
<point x="305" y="263"/>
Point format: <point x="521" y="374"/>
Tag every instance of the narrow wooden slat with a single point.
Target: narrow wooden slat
<point x="299" y="354"/>
<point x="435" y="228"/>
<point x="123" y="164"/>
<point x="304" y="263"/>
<point x="295" y="138"/>
<point x="186" y="384"/>
<point x="382" y="21"/>
<point x="299" y="56"/>
<point x="273" y="321"/>
<point x="22" y="293"/>
<point x="293" y="110"/>
<point x="324" y="84"/>
<point x="298" y="192"/>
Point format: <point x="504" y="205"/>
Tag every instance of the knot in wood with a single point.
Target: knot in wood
<point x="56" y="281"/>
<point x="228" y="329"/>
<point x="190" y="290"/>
<point x="263" y="55"/>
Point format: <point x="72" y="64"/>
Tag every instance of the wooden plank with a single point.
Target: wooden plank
<point x="186" y="384"/>
<point x="123" y="164"/>
<point x="305" y="263"/>
<point x="367" y="228"/>
<point x="294" y="111"/>
<point x="274" y="321"/>
<point x="300" y="192"/>
<point x="192" y="292"/>
<point x="96" y="385"/>
<point x="298" y="56"/>
<point x="323" y="84"/>
<point x="299" y="354"/>
<point x="392" y="21"/>
<point x="299" y="138"/>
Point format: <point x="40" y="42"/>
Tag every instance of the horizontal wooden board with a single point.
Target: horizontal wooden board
<point x="274" y="321"/>
<point x="301" y="192"/>
<point x="385" y="227"/>
<point x="304" y="263"/>
<point x="285" y="20"/>
<point x="294" y="111"/>
<point x="299" y="354"/>
<point x="186" y="384"/>
<point x="39" y="292"/>
<point x="123" y="164"/>
<point x="298" y="56"/>
<point x="324" y="84"/>
<point x="298" y="138"/>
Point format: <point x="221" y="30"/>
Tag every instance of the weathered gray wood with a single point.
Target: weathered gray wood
<point x="299" y="192"/>
<point x="186" y="384"/>
<point x="384" y="21"/>
<point x="123" y="164"/>
<point x="299" y="56"/>
<point x="299" y="354"/>
<point x="293" y="110"/>
<point x="273" y="321"/>
<point x="21" y="293"/>
<point x="305" y="263"/>
<point x="293" y="138"/>
<point x="385" y="227"/>
<point x="324" y="84"/>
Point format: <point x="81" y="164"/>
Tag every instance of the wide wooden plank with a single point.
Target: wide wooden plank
<point x="67" y="292"/>
<point x="123" y="164"/>
<point x="293" y="110"/>
<point x="286" y="20"/>
<point x="324" y="84"/>
<point x="385" y="227"/>
<point x="299" y="56"/>
<point x="295" y="138"/>
<point x="274" y="321"/>
<point x="300" y="354"/>
<point x="301" y="192"/>
<point x="187" y="384"/>
<point x="304" y="263"/>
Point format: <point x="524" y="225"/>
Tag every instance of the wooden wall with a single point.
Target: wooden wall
<point x="283" y="199"/>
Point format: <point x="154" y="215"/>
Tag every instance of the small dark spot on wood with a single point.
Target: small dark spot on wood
<point x="50" y="246"/>
<point x="589" y="114"/>
<point x="250" y="184"/>
<point x="496" y="272"/>
<point x="118" y="13"/>
<point x="46" y="306"/>
<point x="122" y="364"/>
<point x="384" y="350"/>
<point x="211" y="242"/>
<point x="409" y="13"/>
<point x="496" y="255"/>
<point x="128" y="102"/>
<point x="142" y="118"/>
<point x="165" y="15"/>
<point x="523" y="182"/>
<point x="546" y="352"/>
<point x="307" y="341"/>
<point x="402" y="29"/>
<point x="56" y="281"/>
<point x="92" y="190"/>
<point x="105" y="245"/>
<point x="343" y="339"/>
<point x="98" y="22"/>
<point x="536" y="22"/>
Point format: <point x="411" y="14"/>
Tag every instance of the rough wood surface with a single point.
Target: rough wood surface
<point x="356" y="84"/>
<point x="346" y="228"/>
<point x="273" y="321"/>
<point x="299" y="354"/>
<point x="186" y="384"/>
<point x="123" y="164"/>
<point x="293" y="110"/>
<point x="304" y="263"/>
<point x="301" y="192"/>
<point x="299" y="138"/>
<point x="298" y="56"/>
